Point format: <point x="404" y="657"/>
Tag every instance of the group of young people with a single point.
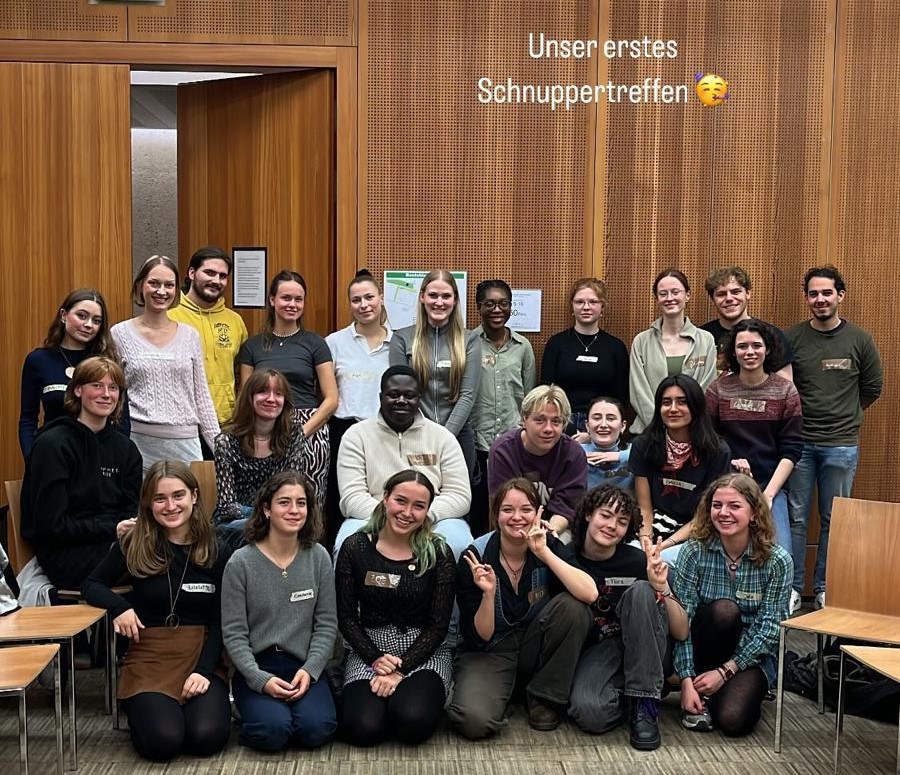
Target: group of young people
<point x="599" y="569"/>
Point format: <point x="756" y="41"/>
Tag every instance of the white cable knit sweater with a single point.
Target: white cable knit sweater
<point x="167" y="385"/>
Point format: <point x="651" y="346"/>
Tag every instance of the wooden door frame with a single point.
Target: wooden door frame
<point x="341" y="59"/>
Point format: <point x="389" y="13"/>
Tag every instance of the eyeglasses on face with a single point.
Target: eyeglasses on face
<point x="503" y="304"/>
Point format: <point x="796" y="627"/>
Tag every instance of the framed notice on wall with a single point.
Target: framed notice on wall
<point x="248" y="278"/>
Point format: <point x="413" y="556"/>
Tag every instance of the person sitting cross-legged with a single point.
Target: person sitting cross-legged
<point x="627" y="654"/>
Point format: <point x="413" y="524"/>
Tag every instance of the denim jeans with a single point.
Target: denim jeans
<point x="782" y="522"/>
<point x="631" y="665"/>
<point x="831" y="469"/>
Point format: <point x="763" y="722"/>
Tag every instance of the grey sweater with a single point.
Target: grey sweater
<point x="435" y="402"/>
<point x="262" y="609"/>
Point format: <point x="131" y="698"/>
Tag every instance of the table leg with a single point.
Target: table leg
<point x="57" y="712"/>
<point x="779" y="692"/>
<point x="820" y="671"/>
<point x="839" y="717"/>
<point x="73" y="744"/>
<point x="23" y="734"/>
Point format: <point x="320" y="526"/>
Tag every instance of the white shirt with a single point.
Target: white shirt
<point x="358" y="371"/>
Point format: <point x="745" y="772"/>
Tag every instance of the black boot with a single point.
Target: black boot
<point x="644" y="723"/>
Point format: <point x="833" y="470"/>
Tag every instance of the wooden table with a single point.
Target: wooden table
<point x="19" y="667"/>
<point x="879" y="659"/>
<point x="55" y="624"/>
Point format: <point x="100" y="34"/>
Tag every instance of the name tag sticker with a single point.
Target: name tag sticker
<point x="54" y="389"/>
<point x="443" y="364"/>
<point x="748" y="404"/>
<point x="360" y="376"/>
<point x="157" y="356"/>
<point x="697" y="362"/>
<point x="207" y="588"/>
<point x="830" y="364"/>
<point x="536" y="594"/>
<point x="587" y="358"/>
<point x="679" y="484"/>
<point x="302" y="594"/>
<point x="422" y="459"/>
<point x="620" y="581"/>
<point x="741" y="595"/>
<point x="382" y="580"/>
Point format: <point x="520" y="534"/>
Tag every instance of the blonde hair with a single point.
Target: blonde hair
<point x="422" y="355"/>
<point x="762" y="526"/>
<point x="547" y="394"/>
<point x="146" y="547"/>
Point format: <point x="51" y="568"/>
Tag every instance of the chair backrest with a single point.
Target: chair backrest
<point x="205" y="471"/>
<point x="19" y="550"/>
<point x="864" y="556"/>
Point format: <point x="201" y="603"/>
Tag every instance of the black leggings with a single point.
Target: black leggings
<point x="715" y="632"/>
<point x="410" y="715"/>
<point x="161" y="728"/>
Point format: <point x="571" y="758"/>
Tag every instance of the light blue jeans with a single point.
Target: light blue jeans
<point x="832" y="470"/>
<point x="782" y="521"/>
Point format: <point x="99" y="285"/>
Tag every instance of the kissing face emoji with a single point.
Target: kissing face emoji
<point x="711" y="89"/>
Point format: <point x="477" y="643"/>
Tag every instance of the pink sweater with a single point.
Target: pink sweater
<point x="167" y="385"/>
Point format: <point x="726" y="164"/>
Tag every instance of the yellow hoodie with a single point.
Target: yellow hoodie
<point x="222" y="332"/>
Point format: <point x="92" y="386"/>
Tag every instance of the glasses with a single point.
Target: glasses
<point x="586" y="302"/>
<point x="503" y="304"/>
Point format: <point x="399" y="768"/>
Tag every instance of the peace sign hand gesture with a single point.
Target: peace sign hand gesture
<point x="482" y="574"/>
<point x="657" y="568"/>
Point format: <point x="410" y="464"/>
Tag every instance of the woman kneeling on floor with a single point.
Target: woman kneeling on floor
<point x="172" y="682"/>
<point x="523" y="611"/>
<point x="627" y="653"/>
<point x="395" y="583"/>
<point x="734" y="581"/>
<point x="279" y="620"/>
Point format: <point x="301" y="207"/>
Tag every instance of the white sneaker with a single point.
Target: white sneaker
<point x="796" y="602"/>
<point x="820" y="600"/>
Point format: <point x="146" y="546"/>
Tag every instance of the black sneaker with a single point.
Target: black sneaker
<point x="540" y="716"/>
<point x="644" y="723"/>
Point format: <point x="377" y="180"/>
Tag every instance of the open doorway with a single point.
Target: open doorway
<point x="238" y="159"/>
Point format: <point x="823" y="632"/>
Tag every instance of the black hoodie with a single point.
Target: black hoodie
<point x="78" y="485"/>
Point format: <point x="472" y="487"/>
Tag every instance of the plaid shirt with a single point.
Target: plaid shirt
<point x="762" y="594"/>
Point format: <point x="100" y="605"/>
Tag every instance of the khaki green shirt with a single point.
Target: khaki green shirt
<point x="507" y="374"/>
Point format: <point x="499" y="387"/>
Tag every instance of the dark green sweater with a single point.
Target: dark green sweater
<point x="838" y="374"/>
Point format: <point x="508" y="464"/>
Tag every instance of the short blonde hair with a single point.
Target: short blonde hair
<point x="547" y="394"/>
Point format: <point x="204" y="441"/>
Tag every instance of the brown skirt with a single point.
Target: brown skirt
<point x="161" y="661"/>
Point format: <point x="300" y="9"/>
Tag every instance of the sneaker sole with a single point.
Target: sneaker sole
<point x="698" y="727"/>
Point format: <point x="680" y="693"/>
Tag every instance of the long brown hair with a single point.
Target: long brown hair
<point x="242" y="421"/>
<point x="137" y="294"/>
<point x="524" y="486"/>
<point x="94" y="369"/>
<point x="257" y="527"/>
<point x="365" y="276"/>
<point x="421" y="344"/>
<point x="145" y="546"/>
<point x="284" y="276"/>
<point x="102" y="343"/>
<point x="762" y="526"/>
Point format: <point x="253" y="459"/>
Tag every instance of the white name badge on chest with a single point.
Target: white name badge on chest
<point x="208" y="589"/>
<point x="620" y="581"/>
<point x="443" y="364"/>
<point x="303" y="594"/>
<point x="587" y="358"/>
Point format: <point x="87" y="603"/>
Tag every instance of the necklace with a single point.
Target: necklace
<point x="581" y="341"/>
<point x="282" y="337"/>
<point x="735" y="561"/>
<point x="172" y="620"/>
<point x="71" y="369"/>
<point x="515" y="571"/>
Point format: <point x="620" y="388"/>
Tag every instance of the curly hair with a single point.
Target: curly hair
<point x="829" y="272"/>
<point x="617" y="499"/>
<point x="724" y="275"/>
<point x="762" y="525"/>
<point x="774" y="350"/>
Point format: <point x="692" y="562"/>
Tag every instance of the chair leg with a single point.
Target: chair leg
<point x="779" y="704"/>
<point x="57" y="711"/>
<point x="898" y="746"/>
<point x="820" y="672"/>
<point x="112" y="670"/>
<point x="23" y="734"/>
<point x="107" y="696"/>
<point x="839" y="717"/>
<point x="73" y="731"/>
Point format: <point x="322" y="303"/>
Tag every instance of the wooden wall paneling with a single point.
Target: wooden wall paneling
<point x="766" y="166"/>
<point x="269" y="172"/>
<point x="659" y="164"/>
<point x="65" y="207"/>
<point x="299" y="22"/>
<point x="865" y="214"/>
<point x="498" y="190"/>
<point x="61" y="20"/>
<point x="347" y="183"/>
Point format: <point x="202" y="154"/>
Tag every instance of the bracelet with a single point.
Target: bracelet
<point x="726" y="672"/>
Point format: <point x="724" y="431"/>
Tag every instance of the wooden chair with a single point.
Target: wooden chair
<point x="19" y="550"/>
<point x="20" y="668"/>
<point x="885" y="661"/>
<point x="205" y="471"/>
<point x="861" y="582"/>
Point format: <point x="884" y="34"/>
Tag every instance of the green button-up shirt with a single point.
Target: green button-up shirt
<point x="507" y="374"/>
